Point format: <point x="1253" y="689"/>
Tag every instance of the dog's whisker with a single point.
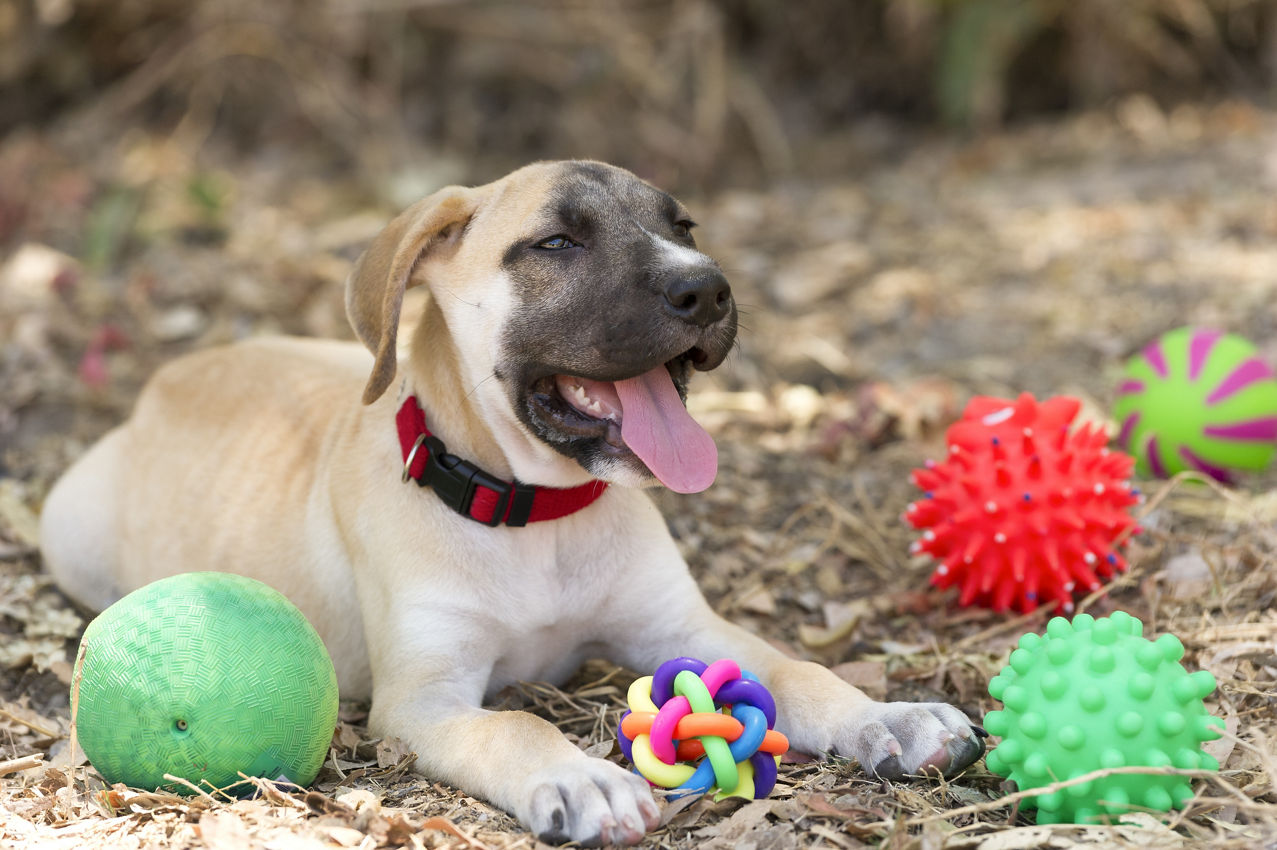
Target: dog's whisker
<point x="473" y="304"/>
<point x="475" y="388"/>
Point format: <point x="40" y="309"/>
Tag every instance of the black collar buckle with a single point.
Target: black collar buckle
<point x="455" y="481"/>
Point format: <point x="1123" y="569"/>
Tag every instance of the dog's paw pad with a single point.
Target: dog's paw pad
<point x="592" y="802"/>
<point x="897" y="739"/>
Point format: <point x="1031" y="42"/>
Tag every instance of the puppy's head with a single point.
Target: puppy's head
<point x="576" y="304"/>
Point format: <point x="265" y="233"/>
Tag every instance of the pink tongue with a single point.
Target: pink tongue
<point x="657" y="427"/>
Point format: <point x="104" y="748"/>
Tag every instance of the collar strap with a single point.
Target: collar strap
<point x="476" y="494"/>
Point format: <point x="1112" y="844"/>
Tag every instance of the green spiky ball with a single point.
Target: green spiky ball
<point x="204" y="676"/>
<point x="1095" y="694"/>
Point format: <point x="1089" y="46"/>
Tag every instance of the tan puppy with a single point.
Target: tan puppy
<point x="568" y="307"/>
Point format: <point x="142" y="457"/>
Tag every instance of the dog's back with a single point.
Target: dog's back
<point x="208" y="430"/>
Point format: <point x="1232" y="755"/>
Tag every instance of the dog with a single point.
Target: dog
<point x="484" y="523"/>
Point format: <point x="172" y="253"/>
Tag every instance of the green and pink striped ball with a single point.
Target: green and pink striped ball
<point x="1198" y="399"/>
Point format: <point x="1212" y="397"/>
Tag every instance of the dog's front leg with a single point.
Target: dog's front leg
<point x="513" y="759"/>
<point x="820" y="713"/>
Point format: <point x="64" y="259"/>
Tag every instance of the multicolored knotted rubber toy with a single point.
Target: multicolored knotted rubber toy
<point x="690" y="710"/>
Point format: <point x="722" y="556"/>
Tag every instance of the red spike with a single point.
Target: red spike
<point x="1019" y="560"/>
<point x="1002" y="597"/>
<point x="1051" y="554"/>
<point x="970" y="587"/>
<point x="973" y="547"/>
<point x="1070" y="519"/>
<point x="926" y="479"/>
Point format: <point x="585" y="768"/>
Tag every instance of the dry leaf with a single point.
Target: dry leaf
<point x="392" y="751"/>
<point x="225" y="831"/>
<point x="869" y="676"/>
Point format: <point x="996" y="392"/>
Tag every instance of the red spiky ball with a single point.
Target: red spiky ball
<point x="1023" y="511"/>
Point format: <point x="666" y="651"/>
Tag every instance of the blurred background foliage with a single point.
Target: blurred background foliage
<point x="694" y="94"/>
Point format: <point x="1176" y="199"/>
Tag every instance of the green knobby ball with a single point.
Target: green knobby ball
<point x="1095" y="694"/>
<point x="204" y="676"/>
<point x="1198" y="399"/>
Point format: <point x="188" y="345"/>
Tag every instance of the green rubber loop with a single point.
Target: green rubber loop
<point x="688" y="684"/>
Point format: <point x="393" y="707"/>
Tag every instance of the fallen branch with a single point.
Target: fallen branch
<point x="21" y="763"/>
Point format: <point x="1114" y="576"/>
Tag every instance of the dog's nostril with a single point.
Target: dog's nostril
<point x="701" y="299"/>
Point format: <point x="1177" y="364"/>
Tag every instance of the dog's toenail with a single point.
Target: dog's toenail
<point x="888" y="768"/>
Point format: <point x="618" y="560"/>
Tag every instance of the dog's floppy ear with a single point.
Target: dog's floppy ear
<point x="376" y="286"/>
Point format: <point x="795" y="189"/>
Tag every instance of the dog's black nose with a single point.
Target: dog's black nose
<point x="701" y="298"/>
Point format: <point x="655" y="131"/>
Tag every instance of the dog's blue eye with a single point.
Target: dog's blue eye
<point x="556" y="243"/>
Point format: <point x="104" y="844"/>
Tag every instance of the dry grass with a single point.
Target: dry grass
<point x="745" y="90"/>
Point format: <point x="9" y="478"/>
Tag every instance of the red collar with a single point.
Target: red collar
<point x="473" y="493"/>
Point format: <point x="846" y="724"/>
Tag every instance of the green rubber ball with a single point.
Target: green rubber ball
<point x="204" y="676"/>
<point x="1094" y="695"/>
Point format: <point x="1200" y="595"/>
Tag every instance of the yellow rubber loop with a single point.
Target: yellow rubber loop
<point x="656" y="771"/>
<point x="639" y="696"/>
<point x="688" y="684"/>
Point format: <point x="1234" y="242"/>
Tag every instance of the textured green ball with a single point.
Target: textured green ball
<point x="1198" y="399"/>
<point x="204" y="676"/>
<point x="1094" y="694"/>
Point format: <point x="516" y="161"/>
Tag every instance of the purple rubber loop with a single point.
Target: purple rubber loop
<point x="750" y="692"/>
<point x="764" y="773"/>
<point x="1256" y="430"/>
<point x="663" y="678"/>
<point x="1249" y="372"/>
<point x="627" y="746"/>
<point x="1199" y="349"/>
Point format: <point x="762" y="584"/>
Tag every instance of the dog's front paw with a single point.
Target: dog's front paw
<point x="589" y="801"/>
<point x="895" y="739"/>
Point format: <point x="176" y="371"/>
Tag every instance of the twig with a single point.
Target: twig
<point x="180" y="781"/>
<point x="78" y="676"/>
<point x="1003" y="802"/>
<point x="32" y="725"/>
<point x="332" y="752"/>
<point x="21" y="763"/>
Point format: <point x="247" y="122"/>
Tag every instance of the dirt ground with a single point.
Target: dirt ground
<point x="873" y="306"/>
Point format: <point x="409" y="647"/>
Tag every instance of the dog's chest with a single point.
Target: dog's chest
<point x="555" y="602"/>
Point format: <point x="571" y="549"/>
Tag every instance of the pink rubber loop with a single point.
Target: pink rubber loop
<point x="719" y="673"/>
<point x="662" y="736"/>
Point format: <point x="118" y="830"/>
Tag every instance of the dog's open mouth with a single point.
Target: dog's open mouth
<point x="644" y="414"/>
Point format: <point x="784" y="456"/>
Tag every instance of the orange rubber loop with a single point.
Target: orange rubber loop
<point x="694" y="725"/>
